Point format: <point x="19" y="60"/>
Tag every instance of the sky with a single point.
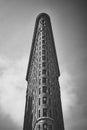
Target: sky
<point x="17" y="21"/>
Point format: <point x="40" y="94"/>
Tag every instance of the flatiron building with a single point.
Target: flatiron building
<point x="43" y="110"/>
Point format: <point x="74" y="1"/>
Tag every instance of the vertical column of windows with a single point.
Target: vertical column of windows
<point x="40" y="58"/>
<point x="42" y="71"/>
<point x="44" y="88"/>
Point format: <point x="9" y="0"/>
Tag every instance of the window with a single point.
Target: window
<point x="39" y="113"/>
<point x="43" y="36"/>
<point x="50" y="113"/>
<point x="43" y="46"/>
<point x="43" y="57"/>
<point x="49" y="90"/>
<point x="43" y="51"/>
<point x="39" y="101"/>
<point x="39" y="73"/>
<point x="50" y="127"/>
<point x="39" y="58"/>
<point x="48" y="72"/>
<point x="43" y="41"/>
<point x="44" y="111"/>
<point x="38" y="127"/>
<point x="39" y="90"/>
<point x="39" y="47"/>
<point x="39" y="66"/>
<point x="44" y="64"/>
<point x="40" y="53"/>
<point x="43" y="80"/>
<point x="45" y="126"/>
<point x="40" y="41"/>
<point x="44" y="89"/>
<point x="43" y="71"/>
<point x="39" y="81"/>
<point x="44" y="100"/>
<point x="49" y="101"/>
<point x="42" y="21"/>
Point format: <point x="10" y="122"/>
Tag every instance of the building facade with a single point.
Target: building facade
<point x="43" y="109"/>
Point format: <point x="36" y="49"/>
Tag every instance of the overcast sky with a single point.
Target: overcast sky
<point x="17" y="21"/>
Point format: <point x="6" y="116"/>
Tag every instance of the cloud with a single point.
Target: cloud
<point x="68" y="95"/>
<point x="7" y="124"/>
<point x="73" y="95"/>
<point x="12" y="88"/>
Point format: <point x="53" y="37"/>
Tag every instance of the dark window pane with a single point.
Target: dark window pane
<point x="43" y="80"/>
<point x="40" y="53"/>
<point x="45" y="126"/>
<point x="50" y="127"/>
<point x="49" y="101"/>
<point x="43" y="57"/>
<point x="44" y="64"/>
<point x="50" y="113"/>
<point x="43" y="36"/>
<point x="44" y="89"/>
<point x="43" y="51"/>
<point x="39" y="81"/>
<point x="39" y="58"/>
<point x="43" y="71"/>
<point x="39" y="113"/>
<point x="49" y="90"/>
<point x="39" y="90"/>
<point x="39" y="101"/>
<point x="43" y="41"/>
<point x="48" y="72"/>
<point x="39" y="73"/>
<point x="39" y="66"/>
<point x="44" y="111"/>
<point x="44" y="100"/>
<point x="38" y="127"/>
<point x="43" y="46"/>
